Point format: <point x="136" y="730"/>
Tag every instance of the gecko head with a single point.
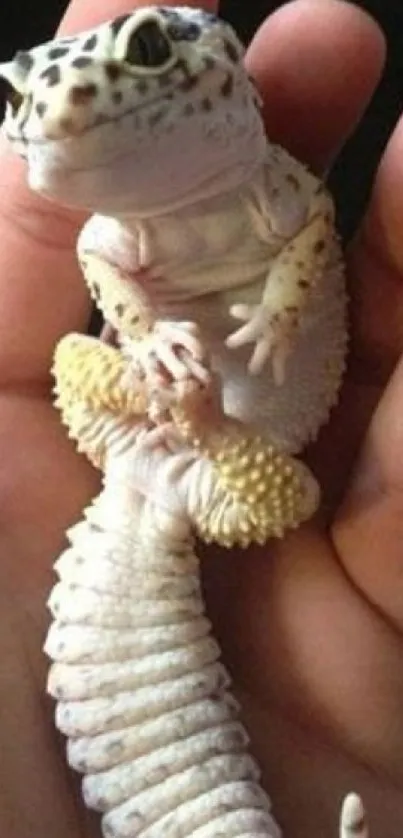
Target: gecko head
<point x="136" y="114"/>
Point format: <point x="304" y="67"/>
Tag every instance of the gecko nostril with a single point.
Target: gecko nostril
<point x="113" y="71"/>
<point x="40" y="108"/>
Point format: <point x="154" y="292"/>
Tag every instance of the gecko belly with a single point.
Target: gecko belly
<point x="291" y="414"/>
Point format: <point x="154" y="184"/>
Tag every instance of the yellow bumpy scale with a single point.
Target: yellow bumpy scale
<point x="86" y="369"/>
<point x="257" y="492"/>
<point x="270" y="487"/>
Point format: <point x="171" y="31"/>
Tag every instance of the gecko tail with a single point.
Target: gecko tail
<point x="353" y="819"/>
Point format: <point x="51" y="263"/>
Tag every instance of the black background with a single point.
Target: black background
<point x="21" y="28"/>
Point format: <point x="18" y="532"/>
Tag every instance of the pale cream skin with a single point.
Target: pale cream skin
<point x="194" y="210"/>
<point x="35" y="516"/>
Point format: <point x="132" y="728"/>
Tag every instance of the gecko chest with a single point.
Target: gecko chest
<point x="212" y="245"/>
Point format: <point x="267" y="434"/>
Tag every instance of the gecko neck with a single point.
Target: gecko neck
<point x="230" y="179"/>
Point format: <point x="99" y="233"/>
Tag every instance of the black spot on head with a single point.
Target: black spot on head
<point x="51" y="74"/>
<point x="91" y="42"/>
<point x="182" y="30"/>
<point x="81" y="94"/>
<point x="189" y="81"/>
<point x="24" y="60"/>
<point x="210" y="16"/>
<point x="174" y="17"/>
<point x="209" y="62"/>
<point x="57" y="52"/>
<point x="81" y="62"/>
<point x="117" y="24"/>
<point x="112" y="71"/>
<point x="120" y="310"/>
<point x="142" y="87"/>
<point x="40" y="108"/>
<point x="228" y="86"/>
<point x="117" y="97"/>
<point x="231" y="51"/>
<point x="206" y="104"/>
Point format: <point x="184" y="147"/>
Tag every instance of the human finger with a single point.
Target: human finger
<point x="368" y="530"/>
<point x="317" y="65"/>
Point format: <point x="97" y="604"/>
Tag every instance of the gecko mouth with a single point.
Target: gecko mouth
<point x="67" y="131"/>
<point x="99" y="121"/>
<point x="93" y="167"/>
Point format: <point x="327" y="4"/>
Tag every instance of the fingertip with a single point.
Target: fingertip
<point x="317" y="64"/>
<point x="382" y="227"/>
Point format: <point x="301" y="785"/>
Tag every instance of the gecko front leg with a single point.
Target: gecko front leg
<point x="272" y="324"/>
<point x="161" y="351"/>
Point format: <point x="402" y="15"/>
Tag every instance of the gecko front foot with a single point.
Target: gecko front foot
<point x="272" y="332"/>
<point x="172" y="353"/>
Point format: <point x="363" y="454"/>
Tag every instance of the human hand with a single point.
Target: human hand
<point x="311" y="630"/>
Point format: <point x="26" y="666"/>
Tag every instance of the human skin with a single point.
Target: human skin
<point x="311" y="628"/>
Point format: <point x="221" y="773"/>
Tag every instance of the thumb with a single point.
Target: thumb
<point x="368" y="531"/>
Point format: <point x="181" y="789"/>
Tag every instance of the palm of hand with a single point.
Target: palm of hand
<point x="312" y="628"/>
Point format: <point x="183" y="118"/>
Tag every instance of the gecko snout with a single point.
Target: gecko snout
<point x="69" y="112"/>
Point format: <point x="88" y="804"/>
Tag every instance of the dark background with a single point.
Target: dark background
<point x="352" y="175"/>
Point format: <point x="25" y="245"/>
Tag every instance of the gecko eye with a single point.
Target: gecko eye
<point x="148" y="46"/>
<point x="13" y="97"/>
